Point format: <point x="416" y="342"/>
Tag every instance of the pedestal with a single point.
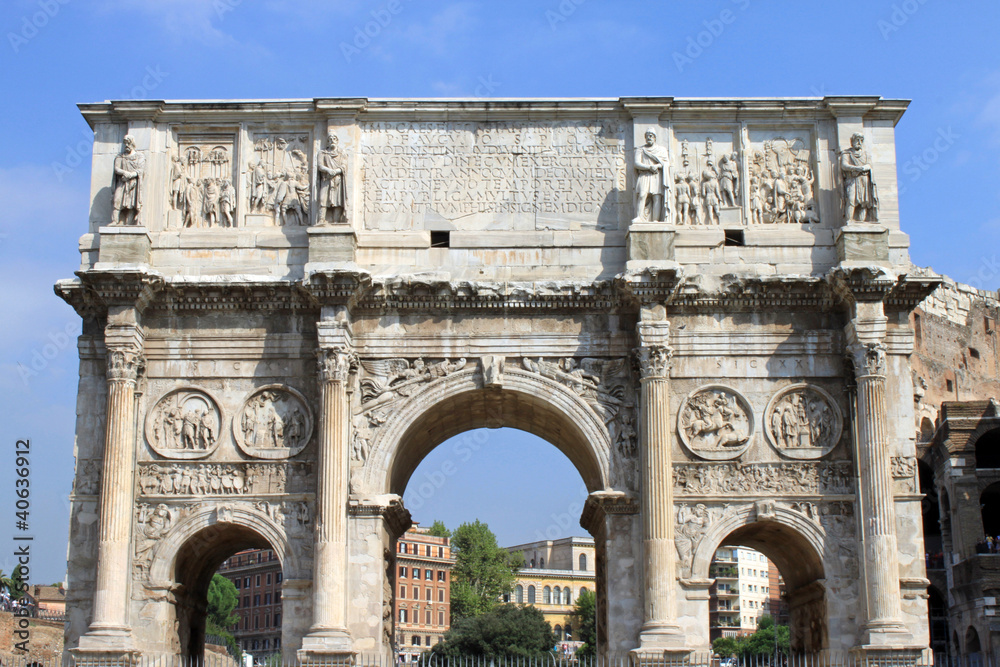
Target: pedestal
<point x="121" y="244"/>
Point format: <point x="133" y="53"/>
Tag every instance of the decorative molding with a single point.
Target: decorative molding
<point x="336" y="364"/>
<point x="125" y="364"/>
<point x="867" y="359"/>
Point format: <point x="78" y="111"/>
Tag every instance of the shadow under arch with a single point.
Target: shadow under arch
<point x="459" y="403"/>
<point x="795" y="544"/>
<point x="192" y="551"/>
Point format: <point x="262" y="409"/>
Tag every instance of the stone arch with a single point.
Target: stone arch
<point x="987" y="447"/>
<point x="459" y="403"/>
<point x="795" y="544"/>
<point x="192" y="551"/>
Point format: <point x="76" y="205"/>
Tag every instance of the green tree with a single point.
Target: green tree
<point x="438" y="529"/>
<point x="18" y="586"/>
<point x="483" y="572"/>
<point x="586" y="619"/>
<point x="762" y="642"/>
<point x="5" y="582"/>
<point x="726" y="647"/>
<point x="222" y="599"/>
<point x="518" y="631"/>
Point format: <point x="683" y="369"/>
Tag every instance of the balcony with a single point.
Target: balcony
<point x="717" y="572"/>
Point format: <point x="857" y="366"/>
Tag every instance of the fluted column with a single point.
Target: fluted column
<point x="659" y="629"/>
<point x="328" y="634"/>
<point x="881" y="567"/>
<point x="114" y="564"/>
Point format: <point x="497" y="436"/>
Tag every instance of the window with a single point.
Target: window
<point x="440" y="618"/>
<point x="246" y="583"/>
<point x="558" y="631"/>
<point x="402" y="571"/>
<point x="256" y="622"/>
<point x="547" y="595"/>
<point x="277" y="578"/>
<point x="440" y="595"/>
<point x="402" y="616"/>
<point x="277" y="623"/>
<point x="440" y="239"/>
<point x="256" y="600"/>
<point x="277" y="597"/>
<point x="246" y="601"/>
<point x="583" y="562"/>
<point x="402" y="592"/>
<point x="267" y="579"/>
<point x="267" y="598"/>
<point x="267" y="622"/>
<point x="440" y="555"/>
<point x="237" y="583"/>
<point x="416" y="640"/>
<point x="556" y="595"/>
<point x="519" y="594"/>
<point x="429" y="597"/>
<point x="429" y="575"/>
<point x="441" y="575"/>
<point x="567" y="596"/>
<point x="569" y="632"/>
<point x="428" y="640"/>
<point x="267" y="644"/>
<point x="541" y="563"/>
<point x="257" y="580"/>
<point x="416" y="573"/>
<point x="531" y="595"/>
<point x="428" y="616"/>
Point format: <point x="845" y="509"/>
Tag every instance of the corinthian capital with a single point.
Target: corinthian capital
<point x="868" y="358"/>
<point x="125" y="363"/>
<point x="654" y="360"/>
<point x="336" y="363"/>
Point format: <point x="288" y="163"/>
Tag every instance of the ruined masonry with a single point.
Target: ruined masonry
<point x="287" y="304"/>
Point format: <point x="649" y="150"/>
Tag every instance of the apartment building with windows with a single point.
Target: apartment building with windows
<point x="746" y="586"/>
<point x="422" y="607"/>
<point x="256" y="573"/>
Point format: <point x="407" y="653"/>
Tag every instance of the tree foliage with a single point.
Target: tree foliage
<point x="17" y="585"/>
<point x="586" y="619"/>
<point x="760" y="643"/>
<point x="483" y="571"/>
<point x="438" y="529"/>
<point x="222" y="599"/>
<point x="726" y="647"/>
<point x="508" y="631"/>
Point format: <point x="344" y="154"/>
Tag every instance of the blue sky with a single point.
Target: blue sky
<point x="56" y="53"/>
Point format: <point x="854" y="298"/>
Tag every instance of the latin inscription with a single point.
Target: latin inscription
<point x="455" y="169"/>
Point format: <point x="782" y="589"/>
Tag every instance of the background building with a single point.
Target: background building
<point x="256" y="573"/>
<point x="747" y="586"/>
<point x="423" y="591"/>
<point x="555" y="573"/>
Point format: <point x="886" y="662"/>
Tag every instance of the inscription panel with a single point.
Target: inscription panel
<point x="494" y="175"/>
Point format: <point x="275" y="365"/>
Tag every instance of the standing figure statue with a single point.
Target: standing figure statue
<point x="710" y="192"/>
<point x="729" y="179"/>
<point x="652" y="181"/>
<point x="227" y="201"/>
<point x="332" y="182"/>
<point x="129" y="167"/>
<point x="860" y="194"/>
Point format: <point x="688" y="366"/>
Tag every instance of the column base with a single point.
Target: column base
<point x="659" y="641"/>
<point x="326" y="646"/>
<point x="106" y="645"/>
<point x="886" y="635"/>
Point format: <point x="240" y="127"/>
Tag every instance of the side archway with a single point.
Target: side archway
<point x="188" y="556"/>
<point x="795" y="544"/>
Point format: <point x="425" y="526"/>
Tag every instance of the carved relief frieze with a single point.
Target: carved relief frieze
<point x="278" y="177"/>
<point x="127" y="184"/>
<point x="803" y="422"/>
<point x="88" y="479"/>
<point x="706" y="180"/>
<point x="275" y="422"/>
<point x="385" y="380"/>
<point x="202" y="174"/>
<point x="715" y="423"/>
<point x="727" y="479"/>
<point x="152" y="523"/>
<point x="184" y="424"/>
<point x="690" y="527"/>
<point x="229" y="479"/>
<point x="904" y="472"/>
<point x="782" y="179"/>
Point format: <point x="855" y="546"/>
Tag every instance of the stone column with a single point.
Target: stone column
<point x="109" y="630"/>
<point x="659" y="629"/>
<point x="881" y="567"/>
<point x="328" y="634"/>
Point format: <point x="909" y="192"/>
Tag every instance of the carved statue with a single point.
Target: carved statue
<point x="130" y="166"/>
<point x="398" y="377"/>
<point x="729" y="179"/>
<point x="860" y="193"/>
<point x="710" y="192"/>
<point x="152" y="527"/>
<point x="691" y="526"/>
<point x="333" y="182"/>
<point x="227" y="202"/>
<point x="652" y="181"/>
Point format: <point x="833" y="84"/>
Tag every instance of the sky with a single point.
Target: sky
<point x="56" y="53"/>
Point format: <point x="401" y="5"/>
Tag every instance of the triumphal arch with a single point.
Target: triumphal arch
<point x="288" y="304"/>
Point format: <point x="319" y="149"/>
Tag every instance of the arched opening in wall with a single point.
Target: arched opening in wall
<point x="973" y="649"/>
<point x="931" y="514"/>
<point x="989" y="505"/>
<point x="988" y="450"/>
<point x="768" y="569"/>
<point x="530" y="496"/>
<point x="937" y="609"/>
<point x="236" y="554"/>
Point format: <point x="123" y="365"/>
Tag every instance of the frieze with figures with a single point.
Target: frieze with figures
<point x="184" y="424"/>
<point x="275" y="422"/>
<point x="803" y="422"/>
<point x="799" y="478"/>
<point x="226" y="479"/>
<point x="715" y="423"/>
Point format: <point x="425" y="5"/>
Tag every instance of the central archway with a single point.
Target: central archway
<point x="528" y="402"/>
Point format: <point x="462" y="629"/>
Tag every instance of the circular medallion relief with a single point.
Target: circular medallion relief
<point x="184" y="424"/>
<point x="803" y="422"/>
<point x="715" y="423"/>
<point x="274" y="423"/>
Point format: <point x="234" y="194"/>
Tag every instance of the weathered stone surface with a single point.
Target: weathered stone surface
<point x="389" y="273"/>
